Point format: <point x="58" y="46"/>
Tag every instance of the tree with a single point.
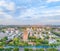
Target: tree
<point x="3" y="31"/>
<point x="1" y="44"/>
<point x="11" y="43"/>
<point x="41" y="49"/>
<point x="16" y="49"/>
<point x="16" y="41"/>
<point x="8" y="49"/>
<point x="26" y="49"/>
<point x="5" y="38"/>
<point x="52" y="49"/>
<point x="30" y="49"/>
<point x="2" y="49"/>
<point x="37" y="49"/>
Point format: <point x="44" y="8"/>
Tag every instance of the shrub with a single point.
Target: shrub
<point x="16" y="49"/>
<point x="1" y="49"/>
<point x="40" y="49"/>
<point x="52" y="49"/>
<point x="26" y="49"/>
<point x="8" y="49"/>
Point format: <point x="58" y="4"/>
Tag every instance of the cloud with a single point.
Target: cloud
<point x="53" y="20"/>
<point x="5" y="18"/>
<point x="36" y="13"/>
<point x="52" y="1"/>
<point x="31" y="16"/>
<point x="25" y="1"/>
<point x="28" y="15"/>
<point x="9" y="6"/>
<point x="48" y="13"/>
<point x="5" y="15"/>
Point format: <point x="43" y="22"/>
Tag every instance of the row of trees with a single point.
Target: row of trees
<point x="17" y="42"/>
<point x="56" y="33"/>
<point x="49" y="49"/>
<point x="9" y="49"/>
<point x="28" y="49"/>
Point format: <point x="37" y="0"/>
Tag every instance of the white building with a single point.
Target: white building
<point x="2" y="35"/>
<point x="52" y="41"/>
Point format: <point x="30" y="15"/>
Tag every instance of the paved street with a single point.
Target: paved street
<point x="21" y="49"/>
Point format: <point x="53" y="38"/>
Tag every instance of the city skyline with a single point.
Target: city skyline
<point x="29" y="12"/>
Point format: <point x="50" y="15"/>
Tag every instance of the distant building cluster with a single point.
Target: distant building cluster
<point x="38" y="32"/>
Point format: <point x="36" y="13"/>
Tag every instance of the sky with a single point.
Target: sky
<point x="29" y="12"/>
